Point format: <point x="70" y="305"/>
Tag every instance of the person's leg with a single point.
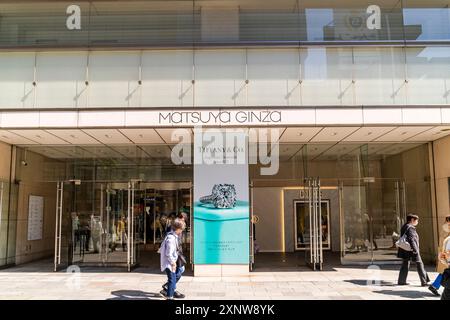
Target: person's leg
<point x="445" y="294"/>
<point x="403" y="275"/>
<point x="88" y="238"/>
<point x="171" y="282"/>
<point x="424" y="279"/>
<point x="179" y="272"/>
<point x="437" y="282"/>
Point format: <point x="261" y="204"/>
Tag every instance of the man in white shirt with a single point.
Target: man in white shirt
<point x="169" y="255"/>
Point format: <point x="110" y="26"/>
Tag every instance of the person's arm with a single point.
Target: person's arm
<point x="443" y="254"/>
<point x="412" y="239"/>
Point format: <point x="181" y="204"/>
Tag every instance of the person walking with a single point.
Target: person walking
<point x="412" y="237"/>
<point x="443" y="262"/>
<point x="172" y="263"/>
<point x="181" y="218"/>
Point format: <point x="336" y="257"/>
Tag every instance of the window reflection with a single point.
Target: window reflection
<point x="176" y="22"/>
<point x="426" y="20"/>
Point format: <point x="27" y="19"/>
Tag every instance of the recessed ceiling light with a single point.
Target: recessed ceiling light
<point x="299" y="134"/>
<point x="403" y="133"/>
<point x="369" y="133"/>
<point x="73" y="136"/>
<point x="108" y="136"/>
<point x="334" y="134"/>
<point x="38" y="136"/>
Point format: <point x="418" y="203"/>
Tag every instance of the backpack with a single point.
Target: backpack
<point x="403" y="242"/>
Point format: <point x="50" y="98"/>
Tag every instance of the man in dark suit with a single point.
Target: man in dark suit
<point x="409" y="228"/>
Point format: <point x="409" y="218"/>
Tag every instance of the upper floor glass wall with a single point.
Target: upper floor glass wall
<point x="254" y="77"/>
<point x="205" y="22"/>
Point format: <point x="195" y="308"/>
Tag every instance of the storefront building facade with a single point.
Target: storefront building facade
<point x="94" y="96"/>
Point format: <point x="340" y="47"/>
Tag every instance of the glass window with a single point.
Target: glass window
<point x="167" y="78"/>
<point x="142" y="22"/>
<point x="350" y="20"/>
<point x="16" y="80"/>
<point x="61" y="79"/>
<point x="185" y="23"/>
<point x="379" y="75"/>
<point x="220" y="78"/>
<point x="426" y="20"/>
<point x="113" y="79"/>
<point x="41" y="24"/>
<point x="269" y="20"/>
<point x="428" y="75"/>
<point x="273" y="77"/>
<point x="326" y="76"/>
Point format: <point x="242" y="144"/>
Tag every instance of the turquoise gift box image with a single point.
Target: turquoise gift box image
<point x="221" y="236"/>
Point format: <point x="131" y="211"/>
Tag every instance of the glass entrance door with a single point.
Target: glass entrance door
<point x="109" y="223"/>
<point x="372" y="212"/>
<point x="114" y="221"/>
<point x="68" y="248"/>
<point x="96" y="224"/>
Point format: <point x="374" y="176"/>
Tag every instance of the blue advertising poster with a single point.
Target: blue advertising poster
<point x="221" y="199"/>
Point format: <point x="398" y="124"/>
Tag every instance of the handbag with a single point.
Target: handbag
<point x="403" y="243"/>
<point x="181" y="260"/>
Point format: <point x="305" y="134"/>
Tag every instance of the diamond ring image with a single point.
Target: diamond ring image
<point x="223" y="196"/>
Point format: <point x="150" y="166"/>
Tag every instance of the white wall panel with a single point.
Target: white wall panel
<point x="113" y="79"/>
<point x="382" y="116"/>
<point x="273" y="77"/>
<point x="61" y="79"/>
<point x="220" y="78"/>
<point x="339" y="116"/>
<point x="16" y="78"/>
<point x="166" y="79"/>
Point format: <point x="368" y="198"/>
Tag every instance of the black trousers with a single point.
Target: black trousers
<point x="446" y="294"/>
<point x="420" y="270"/>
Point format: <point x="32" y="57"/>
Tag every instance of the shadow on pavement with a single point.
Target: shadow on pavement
<point x="366" y="282"/>
<point x="407" y="294"/>
<point x="134" y="295"/>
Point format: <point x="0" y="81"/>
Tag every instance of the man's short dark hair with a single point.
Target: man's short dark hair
<point x="447" y="219"/>
<point x="178" y="224"/>
<point x="411" y="216"/>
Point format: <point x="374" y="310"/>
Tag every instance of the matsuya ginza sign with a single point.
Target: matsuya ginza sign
<point x="220" y="117"/>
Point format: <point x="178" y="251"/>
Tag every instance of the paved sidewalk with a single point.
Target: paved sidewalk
<point x="36" y="281"/>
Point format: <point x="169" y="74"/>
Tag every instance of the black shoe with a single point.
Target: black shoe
<point x="403" y="284"/>
<point x="178" y="295"/>
<point x="424" y="284"/>
<point x="434" y="291"/>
